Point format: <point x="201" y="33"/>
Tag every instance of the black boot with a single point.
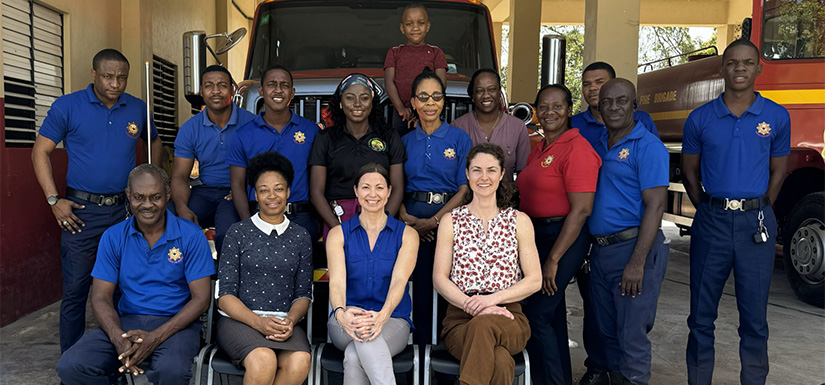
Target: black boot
<point x="595" y="378"/>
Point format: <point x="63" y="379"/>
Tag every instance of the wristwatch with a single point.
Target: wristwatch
<point x="52" y="200"/>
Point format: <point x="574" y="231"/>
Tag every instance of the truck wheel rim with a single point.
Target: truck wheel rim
<point x="807" y="247"/>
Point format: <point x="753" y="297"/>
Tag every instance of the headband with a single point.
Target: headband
<point x="366" y="81"/>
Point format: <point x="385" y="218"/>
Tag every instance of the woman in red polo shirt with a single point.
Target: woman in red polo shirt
<point x="557" y="189"/>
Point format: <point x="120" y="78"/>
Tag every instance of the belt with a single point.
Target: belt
<point x="100" y="199"/>
<point x="298" y="207"/>
<point x="621" y="236"/>
<point x="548" y="220"/>
<point x="471" y="292"/>
<point x="737" y="204"/>
<point x="430" y="197"/>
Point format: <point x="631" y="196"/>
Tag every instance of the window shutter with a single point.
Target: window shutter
<point x="164" y="99"/>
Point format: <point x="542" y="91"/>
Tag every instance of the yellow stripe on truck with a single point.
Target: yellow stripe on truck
<point x="783" y="97"/>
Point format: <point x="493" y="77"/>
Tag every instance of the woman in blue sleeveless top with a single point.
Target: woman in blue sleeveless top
<point x="370" y="259"/>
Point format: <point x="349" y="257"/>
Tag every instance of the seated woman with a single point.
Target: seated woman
<point x="485" y="262"/>
<point x="266" y="282"/>
<point x="370" y="257"/>
<point x="358" y="136"/>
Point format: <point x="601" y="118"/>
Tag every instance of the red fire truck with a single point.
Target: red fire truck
<point x="791" y="37"/>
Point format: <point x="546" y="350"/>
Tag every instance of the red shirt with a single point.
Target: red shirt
<point x="409" y="61"/>
<point x="569" y="164"/>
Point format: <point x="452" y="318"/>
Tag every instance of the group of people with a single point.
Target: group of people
<point x="436" y="206"/>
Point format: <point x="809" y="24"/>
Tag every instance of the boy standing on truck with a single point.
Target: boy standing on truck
<point x="740" y="141"/>
<point x="404" y="62"/>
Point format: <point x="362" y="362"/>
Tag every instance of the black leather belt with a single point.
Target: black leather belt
<point x="298" y="207"/>
<point x="430" y="197"/>
<point x="548" y="220"/>
<point x="478" y="293"/>
<point x="737" y="204"/>
<point x="99" y="199"/>
<point x="621" y="236"/>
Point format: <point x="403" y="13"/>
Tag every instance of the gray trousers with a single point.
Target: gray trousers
<point x="370" y="362"/>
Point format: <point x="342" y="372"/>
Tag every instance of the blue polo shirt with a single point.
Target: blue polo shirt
<point x="205" y="141"/>
<point x="436" y="162"/>
<point x="592" y="130"/>
<point x="154" y="281"/>
<point x="637" y="162"/>
<point x="99" y="141"/>
<point x="294" y="142"/>
<point x="736" y="150"/>
<point x="369" y="272"/>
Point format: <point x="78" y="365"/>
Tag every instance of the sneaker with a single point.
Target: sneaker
<point x="595" y="378"/>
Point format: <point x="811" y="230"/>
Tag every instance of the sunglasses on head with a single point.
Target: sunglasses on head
<point x="423" y="98"/>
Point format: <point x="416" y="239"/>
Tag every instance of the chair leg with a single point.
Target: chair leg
<point x="129" y="379"/>
<point x="415" y="365"/>
<point x="199" y="363"/>
<point x="209" y="372"/>
<point x="427" y="373"/>
<point x="319" y="369"/>
<point x="527" y="379"/>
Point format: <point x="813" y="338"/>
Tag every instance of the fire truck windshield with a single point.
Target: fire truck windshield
<point x="794" y="29"/>
<point x="318" y="35"/>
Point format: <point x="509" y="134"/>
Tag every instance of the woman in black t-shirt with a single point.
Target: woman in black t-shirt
<point x="358" y="135"/>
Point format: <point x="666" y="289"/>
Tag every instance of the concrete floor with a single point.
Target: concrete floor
<point x="29" y="348"/>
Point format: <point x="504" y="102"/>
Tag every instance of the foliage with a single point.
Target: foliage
<point x="660" y="43"/>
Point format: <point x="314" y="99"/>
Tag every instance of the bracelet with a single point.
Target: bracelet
<point x="437" y="222"/>
<point x="335" y="312"/>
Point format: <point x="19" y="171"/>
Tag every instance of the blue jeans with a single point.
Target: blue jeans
<point x="722" y="240"/>
<point x="209" y="205"/>
<point x="77" y="254"/>
<point x="93" y="359"/>
<point x="624" y="321"/>
<point x="548" y="348"/>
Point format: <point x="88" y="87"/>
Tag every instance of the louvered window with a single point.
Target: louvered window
<point x="164" y="98"/>
<point x="32" y="67"/>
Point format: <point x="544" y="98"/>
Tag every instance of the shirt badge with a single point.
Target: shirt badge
<point x="624" y="153"/>
<point x="132" y="129"/>
<point x="377" y="145"/>
<point x="299" y="137"/>
<point x="546" y="162"/>
<point x="763" y="129"/>
<point x="175" y="255"/>
<point x="449" y="154"/>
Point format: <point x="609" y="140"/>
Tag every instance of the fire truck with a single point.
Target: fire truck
<point x="791" y="37"/>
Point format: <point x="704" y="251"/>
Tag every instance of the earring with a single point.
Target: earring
<point x="341" y="106"/>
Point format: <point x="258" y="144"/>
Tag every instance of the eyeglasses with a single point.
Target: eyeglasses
<point x="423" y="98"/>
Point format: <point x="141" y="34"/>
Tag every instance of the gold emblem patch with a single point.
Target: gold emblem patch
<point x="132" y="128"/>
<point x="546" y="162"/>
<point x="624" y="153"/>
<point x="449" y="153"/>
<point x="299" y="137"/>
<point x="377" y="144"/>
<point x="175" y="255"/>
<point x="763" y="129"/>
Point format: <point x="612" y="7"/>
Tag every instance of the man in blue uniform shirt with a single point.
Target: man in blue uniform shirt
<point x="163" y="265"/>
<point x="276" y="129"/>
<point x="100" y="127"/>
<point x="740" y="142"/>
<point x="590" y="122"/>
<point x="629" y="254"/>
<point x="206" y="137"/>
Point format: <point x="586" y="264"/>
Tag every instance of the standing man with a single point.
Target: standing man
<point x="629" y="254"/>
<point x="590" y="122"/>
<point x="740" y="141"/>
<point x="276" y="129"/>
<point x="163" y="266"/>
<point x="206" y="137"/>
<point x="100" y="127"/>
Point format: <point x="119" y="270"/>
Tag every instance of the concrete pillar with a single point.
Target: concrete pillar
<point x="725" y="34"/>
<point x="497" y="36"/>
<point x="611" y="34"/>
<point x="523" y="61"/>
<point x="136" y="42"/>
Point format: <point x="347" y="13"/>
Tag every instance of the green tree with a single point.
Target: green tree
<point x="657" y="44"/>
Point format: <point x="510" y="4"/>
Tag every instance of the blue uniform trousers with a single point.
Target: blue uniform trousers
<point x="722" y="240"/>
<point x="596" y="360"/>
<point x="548" y="347"/>
<point x="422" y="276"/>
<point x="93" y="359"/>
<point x="77" y="254"/>
<point x="209" y="205"/>
<point x="308" y="222"/>
<point x="624" y="321"/>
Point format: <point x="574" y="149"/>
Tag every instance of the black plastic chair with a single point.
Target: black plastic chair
<point x="437" y="359"/>
<point x="328" y="358"/>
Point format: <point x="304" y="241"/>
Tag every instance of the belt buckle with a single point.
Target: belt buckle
<point x="288" y="209"/>
<point x="602" y="241"/>
<point x="435" y="198"/>
<point x="107" y="201"/>
<point x="734" y="204"/>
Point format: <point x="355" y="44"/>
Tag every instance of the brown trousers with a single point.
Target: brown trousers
<point x="485" y="344"/>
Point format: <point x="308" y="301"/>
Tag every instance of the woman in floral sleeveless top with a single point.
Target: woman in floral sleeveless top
<point x="485" y="262"/>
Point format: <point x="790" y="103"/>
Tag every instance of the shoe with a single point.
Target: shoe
<point x="617" y="378"/>
<point x="595" y="378"/>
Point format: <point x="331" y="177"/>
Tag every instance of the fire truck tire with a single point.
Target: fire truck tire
<point x="804" y="249"/>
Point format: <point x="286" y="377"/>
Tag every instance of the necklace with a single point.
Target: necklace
<point x="487" y="137"/>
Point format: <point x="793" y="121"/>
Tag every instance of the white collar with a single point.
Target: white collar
<point x="268" y="227"/>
